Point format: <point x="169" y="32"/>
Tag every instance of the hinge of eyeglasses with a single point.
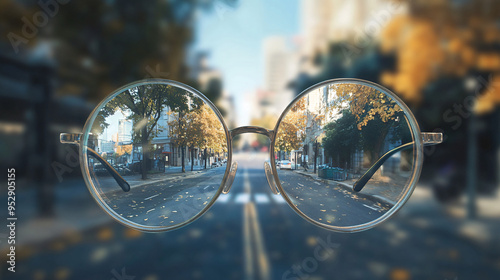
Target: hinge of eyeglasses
<point x="70" y="138"/>
<point x="431" y="138"/>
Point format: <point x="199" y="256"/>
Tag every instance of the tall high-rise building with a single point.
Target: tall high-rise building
<point x="280" y="67"/>
<point x="124" y="131"/>
<point x="355" y="22"/>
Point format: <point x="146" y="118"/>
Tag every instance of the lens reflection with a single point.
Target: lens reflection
<point x="329" y="139"/>
<point x="167" y="144"/>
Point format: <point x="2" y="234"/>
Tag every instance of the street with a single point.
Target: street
<point x="329" y="204"/>
<point x="252" y="234"/>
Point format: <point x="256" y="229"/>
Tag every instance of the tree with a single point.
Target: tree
<point x="292" y="128"/>
<point x="342" y="138"/>
<point x="117" y="41"/>
<point x="204" y="131"/>
<point x="436" y="41"/>
<point x="182" y="103"/>
<point x="144" y="104"/>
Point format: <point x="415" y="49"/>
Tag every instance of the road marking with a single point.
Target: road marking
<point x="150" y="210"/>
<point x="371" y="207"/>
<point x="317" y="183"/>
<point x="223" y="198"/>
<point x="152" y="196"/>
<point x="261" y="198"/>
<point x="254" y="248"/>
<point x="300" y="184"/>
<point x="206" y="187"/>
<point x="247" y="245"/>
<point x="242" y="198"/>
<point x="246" y="182"/>
<point x="278" y="198"/>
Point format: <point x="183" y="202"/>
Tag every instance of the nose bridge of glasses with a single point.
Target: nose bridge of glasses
<point x="252" y="129"/>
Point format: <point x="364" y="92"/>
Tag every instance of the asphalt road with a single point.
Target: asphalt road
<point x="169" y="201"/>
<point x="329" y="204"/>
<point x="252" y="234"/>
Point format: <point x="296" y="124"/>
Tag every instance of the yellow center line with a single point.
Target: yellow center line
<point x="253" y="240"/>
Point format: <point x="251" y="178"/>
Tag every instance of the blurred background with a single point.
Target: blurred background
<point x="59" y="58"/>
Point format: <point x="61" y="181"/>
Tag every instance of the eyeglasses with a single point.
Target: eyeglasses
<point x="346" y="154"/>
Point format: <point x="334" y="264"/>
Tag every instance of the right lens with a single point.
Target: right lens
<point x="343" y="130"/>
<point x="155" y="155"/>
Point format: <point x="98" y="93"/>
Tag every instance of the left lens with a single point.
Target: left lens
<point x="153" y="155"/>
<point x="347" y="154"/>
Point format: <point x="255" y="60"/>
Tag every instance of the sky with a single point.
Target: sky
<point x="233" y="38"/>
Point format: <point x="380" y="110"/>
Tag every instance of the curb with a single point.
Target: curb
<point x="375" y="198"/>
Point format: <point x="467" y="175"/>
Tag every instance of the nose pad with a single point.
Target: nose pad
<point x="270" y="177"/>
<point x="230" y="178"/>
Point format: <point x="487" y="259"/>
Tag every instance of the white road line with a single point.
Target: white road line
<point x="206" y="187"/>
<point x="152" y="196"/>
<point x="278" y="198"/>
<point x="371" y="207"/>
<point x="223" y="198"/>
<point x="317" y="183"/>
<point x="261" y="198"/>
<point x="242" y="198"/>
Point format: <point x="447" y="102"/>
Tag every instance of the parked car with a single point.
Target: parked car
<point x="286" y="164"/>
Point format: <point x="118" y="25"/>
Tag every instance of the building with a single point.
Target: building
<point x="280" y="67"/>
<point x="124" y="131"/>
<point x="355" y="23"/>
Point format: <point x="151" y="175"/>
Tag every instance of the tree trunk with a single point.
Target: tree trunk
<point x="205" y="158"/>
<point x="192" y="158"/>
<point x="183" y="156"/>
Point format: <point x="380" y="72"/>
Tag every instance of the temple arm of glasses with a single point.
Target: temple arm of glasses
<point x="67" y="138"/>
<point x="428" y="139"/>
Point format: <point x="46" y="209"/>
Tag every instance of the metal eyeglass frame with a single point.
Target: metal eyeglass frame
<point x="419" y="140"/>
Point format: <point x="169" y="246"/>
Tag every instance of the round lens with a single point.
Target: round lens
<point x="346" y="154"/>
<point x="155" y="155"/>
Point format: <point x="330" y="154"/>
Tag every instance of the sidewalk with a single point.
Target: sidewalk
<point x="75" y="211"/>
<point x="382" y="193"/>
<point x="423" y="210"/>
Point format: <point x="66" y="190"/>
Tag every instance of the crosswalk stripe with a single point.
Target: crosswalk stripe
<point x="242" y="198"/>
<point x="278" y="199"/>
<point x="223" y="198"/>
<point x="261" y="198"/>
